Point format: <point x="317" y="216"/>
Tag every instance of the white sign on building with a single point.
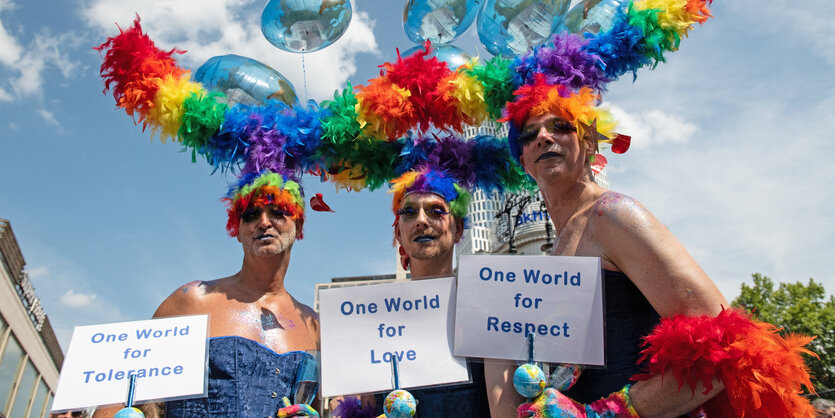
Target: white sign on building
<point x="364" y="327"/>
<point x="502" y="299"/>
<point x="168" y="356"/>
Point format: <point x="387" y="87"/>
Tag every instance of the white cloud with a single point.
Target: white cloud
<point x="10" y="50"/>
<point x="29" y="65"/>
<point x="77" y="300"/>
<point x="49" y="117"/>
<point x="748" y="195"/>
<point x="45" y="52"/>
<point x="218" y="27"/>
<point x="812" y="21"/>
<point x="653" y="127"/>
<point x="38" y="272"/>
<point x="13" y="126"/>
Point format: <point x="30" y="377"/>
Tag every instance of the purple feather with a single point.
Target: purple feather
<point x="351" y="407"/>
<point x="564" y="61"/>
<point x="452" y="154"/>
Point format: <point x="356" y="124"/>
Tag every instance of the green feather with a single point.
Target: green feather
<point x="202" y="117"/>
<point x="495" y="75"/>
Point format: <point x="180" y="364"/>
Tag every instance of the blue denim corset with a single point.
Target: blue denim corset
<point x="629" y="317"/>
<point x="246" y="379"/>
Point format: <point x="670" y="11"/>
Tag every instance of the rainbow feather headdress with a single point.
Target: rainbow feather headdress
<point x="370" y="134"/>
<point x="567" y="75"/>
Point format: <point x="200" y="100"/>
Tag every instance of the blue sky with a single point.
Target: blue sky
<point x="730" y="141"/>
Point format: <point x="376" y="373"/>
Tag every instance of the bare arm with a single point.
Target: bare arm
<point x="503" y="399"/>
<point x="632" y="239"/>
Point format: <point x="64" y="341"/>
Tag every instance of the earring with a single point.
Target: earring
<point x="404" y="258"/>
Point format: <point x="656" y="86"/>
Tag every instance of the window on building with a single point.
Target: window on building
<point x="39" y="403"/>
<point x="24" y="390"/>
<point x="9" y="362"/>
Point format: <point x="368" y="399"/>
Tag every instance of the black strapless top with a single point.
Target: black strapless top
<point x="629" y="317"/>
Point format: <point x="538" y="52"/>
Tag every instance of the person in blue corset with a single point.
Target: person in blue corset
<point x="259" y="334"/>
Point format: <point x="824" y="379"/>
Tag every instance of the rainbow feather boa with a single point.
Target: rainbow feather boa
<point x="763" y="372"/>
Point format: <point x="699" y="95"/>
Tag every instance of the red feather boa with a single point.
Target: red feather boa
<point x="762" y="371"/>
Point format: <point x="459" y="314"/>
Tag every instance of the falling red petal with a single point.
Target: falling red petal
<point x="621" y="143"/>
<point x="598" y="163"/>
<point x="318" y="204"/>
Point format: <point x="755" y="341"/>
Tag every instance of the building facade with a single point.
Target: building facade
<point x="30" y="356"/>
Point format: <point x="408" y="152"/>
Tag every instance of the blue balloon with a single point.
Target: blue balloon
<point x="453" y="56"/>
<point x="245" y="80"/>
<point x="510" y="27"/>
<point x="438" y="21"/>
<point x="593" y="16"/>
<point x="305" y="25"/>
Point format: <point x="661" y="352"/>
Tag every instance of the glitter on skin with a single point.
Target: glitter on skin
<point x="191" y="285"/>
<point x="613" y="199"/>
<point x="266" y="325"/>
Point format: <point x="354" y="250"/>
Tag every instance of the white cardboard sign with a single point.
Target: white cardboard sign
<point x="168" y="355"/>
<point x="503" y="298"/>
<point x="363" y="327"/>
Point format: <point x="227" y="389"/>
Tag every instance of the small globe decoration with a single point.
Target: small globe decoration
<point x="529" y="380"/>
<point x="399" y="404"/>
<point x="129" y="413"/>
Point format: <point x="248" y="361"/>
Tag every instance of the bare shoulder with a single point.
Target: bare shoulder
<point x="187" y="299"/>
<point x="615" y="210"/>
<point x="310" y="317"/>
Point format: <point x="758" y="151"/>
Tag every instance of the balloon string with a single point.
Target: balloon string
<point x="304" y="75"/>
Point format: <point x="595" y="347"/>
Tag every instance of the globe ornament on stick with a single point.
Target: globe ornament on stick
<point x="399" y="403"/>
<point x="305" y="25"/>
<point x="529" y="380"/>
<point x="129" y="413"/>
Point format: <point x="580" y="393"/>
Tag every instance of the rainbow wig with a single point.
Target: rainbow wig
<point x="262" y="189"/>
<point x="428" y="180"/>
<point x="542" y="98"/>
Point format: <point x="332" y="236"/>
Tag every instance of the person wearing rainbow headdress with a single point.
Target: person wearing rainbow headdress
<point x="254" y="318"/>
<point x="699" y="347"/>
<point x="259" y="334"/>
<point x="430" y="215"/>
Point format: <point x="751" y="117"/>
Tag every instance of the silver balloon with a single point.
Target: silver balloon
<point x="305" y="25"/>
<point x="593" y="16"/>
<point x="438" y="21"/>
<point x="245" y="80"/>
<point x="453" y="56"/>
<point x="510" y="27"/>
